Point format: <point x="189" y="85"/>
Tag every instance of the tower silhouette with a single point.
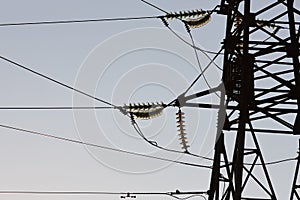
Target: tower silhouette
<point x="262" y="92"/>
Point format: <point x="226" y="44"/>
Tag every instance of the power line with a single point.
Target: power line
<point x="192" y="45"/>
<point x="101" y="147"/>
<point x="154" y="6"/>
<point x="100" y="192"/>
<point x="78" y="21"/>
<point x="155" y="144"/>
<point x="60" y="192"/>
<point x="175" y="194"/>
<point x="198" y="60"/>
<point x="196" y="47"/>
<point x="197" y="56"/>
<point x="162" y="17"/>
<point x="58" y="108"/>
<point x="275" y="162"/>
<point x="94" y="20"/>
<point x="87" y="21"/>
<point x="55" y="81"/>
<point x="191" y="196"/>
<point x="203" y="71"/>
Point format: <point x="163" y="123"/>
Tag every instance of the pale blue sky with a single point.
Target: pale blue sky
<point x="74" y="54"/>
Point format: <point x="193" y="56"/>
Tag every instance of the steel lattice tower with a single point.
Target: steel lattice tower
<point x="261" y="78"/>
<point x="296" y="186"/>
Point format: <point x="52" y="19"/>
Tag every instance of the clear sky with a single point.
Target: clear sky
<point x="120" y="62"/>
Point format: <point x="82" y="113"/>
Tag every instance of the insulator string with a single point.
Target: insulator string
<point x="144" y="111"/>
<point x="181" y="129"/>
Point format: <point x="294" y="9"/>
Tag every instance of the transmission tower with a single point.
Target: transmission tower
<point x="262" y="92"/>
<point x="296" y="186"/>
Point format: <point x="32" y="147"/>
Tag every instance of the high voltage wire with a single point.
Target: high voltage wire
<point x="93" y="97"/>
<point x="69" y="87"/>
<point x="113" y="106"/>
<point x="63" y="192"/>
<point x="212" y="61"/>
<point x="117" y="19"/>
<point x="99" y="192"/>
<point x="198" y="61"/>
<point x="197" y="56"/>
<point x="276" y="161"/>
<point x="78" y="21"/>
<point x="60" y="83"/>
<point x="122" y="194"/>
<point x="154" y="6"/>
<point x="97" y="20"/>
<point x="57" y="108"/>
<point x="205" y="52"/>
<point x="155" y="144"/>
<point x="40" y="108"/>
<point x="203" y="71"/>
<point x="55" y="81"/>
<point x="178" y="36"/>
<point x="101" y="147"/>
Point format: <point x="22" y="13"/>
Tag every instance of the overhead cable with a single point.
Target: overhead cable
<point x="100" y="146"/>
<point x="55" y="81"/>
